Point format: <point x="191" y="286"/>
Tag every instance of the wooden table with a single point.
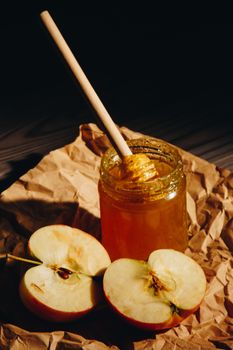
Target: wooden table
<point x="31" y="126"/>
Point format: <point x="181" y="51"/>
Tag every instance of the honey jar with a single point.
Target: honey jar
<point x="139" y="217"/>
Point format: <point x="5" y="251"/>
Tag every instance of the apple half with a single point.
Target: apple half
<point x="156" y="294"/>
<point x="64" y="286"/>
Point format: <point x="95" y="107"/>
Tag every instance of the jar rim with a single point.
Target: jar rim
<point x="151" y="146"/>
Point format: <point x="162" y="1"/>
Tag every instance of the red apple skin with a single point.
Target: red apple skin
<point x="45" y="312"/>
<point x="175" y="320"/>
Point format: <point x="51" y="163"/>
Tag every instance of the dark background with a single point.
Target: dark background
<point x="140" y="59"/>
<point x="164" y="71"/>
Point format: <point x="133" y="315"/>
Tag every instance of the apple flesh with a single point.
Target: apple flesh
<point x="156" y="294"/>
<point x="64" y="286"/>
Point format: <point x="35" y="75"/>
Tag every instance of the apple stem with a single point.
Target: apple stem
<point x="10" y="256"/>
<point x="62" y="271"/>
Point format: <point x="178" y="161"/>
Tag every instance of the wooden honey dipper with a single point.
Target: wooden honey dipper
<point x="136" y="167"/>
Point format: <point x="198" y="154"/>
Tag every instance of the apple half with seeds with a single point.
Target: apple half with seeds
<point x="156" y="294"/>
<point x="65" y="285"/>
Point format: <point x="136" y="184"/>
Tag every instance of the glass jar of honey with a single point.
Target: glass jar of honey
<point x="137" y="218"/>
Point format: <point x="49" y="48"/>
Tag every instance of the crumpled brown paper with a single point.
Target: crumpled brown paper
<point x="62" y="188"/>
<point x="15" y="338"/>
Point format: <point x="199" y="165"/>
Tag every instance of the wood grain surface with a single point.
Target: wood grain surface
<point x="42" y="126"/>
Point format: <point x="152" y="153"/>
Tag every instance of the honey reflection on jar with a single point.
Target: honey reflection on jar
<point x="139" y="217"/>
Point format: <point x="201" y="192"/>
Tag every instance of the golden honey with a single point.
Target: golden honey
<point x="139" y="217"/>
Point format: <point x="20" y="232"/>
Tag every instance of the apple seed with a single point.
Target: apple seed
<point x="174" y="309"/>
<point x="64" y="273"/>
